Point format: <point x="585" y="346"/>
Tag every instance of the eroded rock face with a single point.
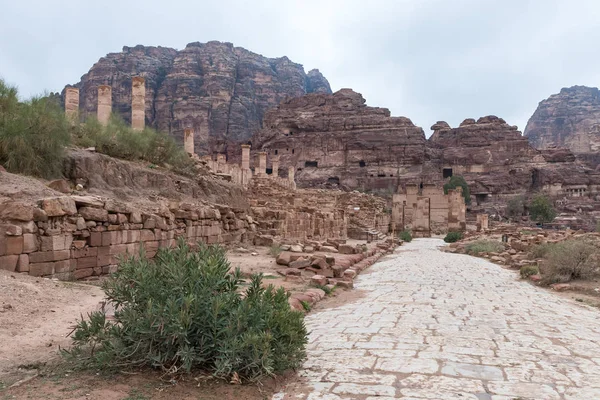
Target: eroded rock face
<point x="219" y="90"/>
<point x="337" y="140"/>
<point x="569" y="119"/>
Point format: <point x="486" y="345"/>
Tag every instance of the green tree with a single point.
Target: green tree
<point x="541" y="209"/>
<point x="456" y="181"/>
<point x="515" y="207"/>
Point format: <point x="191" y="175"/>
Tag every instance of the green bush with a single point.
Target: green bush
<point x="515" y="207"/>
<point x="484" y="246"/>
<point x="33" y="134"/>
<point x="541" y="209"/>
<point x="528" y="270"/>
<point x="275" y="250"/>
<point x="540" y="250"/>
<point x="184" y="311"/>
<point x="452" y="237"/>
<point x="405" y="236"/>
<point x="119" y="140"/>
<point x="456" y="181"/>
<point x="568" y="260"/>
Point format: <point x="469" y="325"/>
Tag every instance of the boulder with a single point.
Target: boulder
<point x="328" y="249"/>
<point x="263" y="240"/>
<point x="346" y="249"/>
<point x="300" y="263"/>
<point x="319" y="263"/>
<point x="296" y="248"/>
<point x="60" y="185"/>
<point x="94" y="214"/>
<point x="318" y="280"/>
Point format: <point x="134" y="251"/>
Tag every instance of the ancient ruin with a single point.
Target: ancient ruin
<point x="138" y="103"/>
<point x="72" y="103"/>
<point x="104" y="108"/>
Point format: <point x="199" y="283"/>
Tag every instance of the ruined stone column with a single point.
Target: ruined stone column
<point x="245" y="156"/>
<point x="275" y="163"/>
<point x="104" y="103"/>
<point x="188" y="141"/>
<point x="138" y="103"/>
<point x="72" y="103"/>
<point x="291" y="174"/>
<point x="262" y="164"/>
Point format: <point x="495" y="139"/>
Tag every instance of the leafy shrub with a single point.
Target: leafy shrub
<point x="452" y="237"/>
<point x="275" y="250"/>
<point x="183" y="311"/>
<point x="117" y="139"/>
<point x="528" y="270"/>
<point x="328" y="290"/>
<point x="541" y="209"/>
<point x="484" y="246"/>
<point x="405" y="236"/>
<point x="568" y="260"/>
<point x="33" y="134"/>
<point x="456" y="181"/>
<point x="515" y="207"/>
<point x="540" y="250"/>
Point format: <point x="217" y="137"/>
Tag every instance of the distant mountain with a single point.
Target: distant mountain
<point x="220" y="90"/>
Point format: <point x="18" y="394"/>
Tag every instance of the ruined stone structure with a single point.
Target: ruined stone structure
<point x="338" y="141"/>
<point x="188" y="141"/>
<point x="138" y="103"/>
<point x="218" y="90"/>
<point x="104" y="108"/>
<point x="482" y="222"/>
<point x="428" y="209"/>
<point x="72" y="103"/>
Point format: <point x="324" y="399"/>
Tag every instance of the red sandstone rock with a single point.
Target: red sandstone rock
<point x="283" y="258"/>
<point x="346" y="249"/>
<point x="318" y="280"/>
<point x="300" y="263"/>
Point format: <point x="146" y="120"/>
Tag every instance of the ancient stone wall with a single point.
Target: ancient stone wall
<point x="73" y="237"/>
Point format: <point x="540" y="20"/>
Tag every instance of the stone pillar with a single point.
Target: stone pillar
<point x="292" y="177"/>
<point x="245" y="156"/>
<point x="188" y="141"/>
<point x="262" y="164"/>
<point x="482" y="222"/>
<point x="72" y="103"/>
<point x="275" y="163"/>
<point x="138" y="103"/>
<point x="104" y="103"/>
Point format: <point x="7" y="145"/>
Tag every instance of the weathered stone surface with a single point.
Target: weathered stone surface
<point x="300" y="263"/>
<point x="568" y="119"/>
<point x="13" y="210"/>
<point x="59" y="206"/>
<point x="94" y="214"/>
<point x="346" y="249"/>
<point x="9" y="263"/>
<point x="284" y="258"/>
<point x="60" y="185"/>
<point x="218" y="90"/>
<point x="318" y="280"/>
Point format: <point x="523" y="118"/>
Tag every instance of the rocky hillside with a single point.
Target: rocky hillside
<point x="570" y="119"/>
<point x="220" y="90"/>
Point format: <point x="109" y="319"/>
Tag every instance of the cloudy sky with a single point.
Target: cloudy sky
<point x="428" y="60"/>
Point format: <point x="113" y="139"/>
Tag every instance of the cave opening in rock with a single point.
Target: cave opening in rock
<point x="333" y="180"/>
<point x="362" y="163"/>
<point x="481" y="198"/>
<point x="313" y="164"/>
<point x="276" y="151"/>
<point x="446" y="173"/>
<point x="269" y="171"/>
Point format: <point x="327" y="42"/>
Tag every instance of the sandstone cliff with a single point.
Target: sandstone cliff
<point x="338" y="140"/>
<point x="569" y="119"/>
<point x="219" y="90"/>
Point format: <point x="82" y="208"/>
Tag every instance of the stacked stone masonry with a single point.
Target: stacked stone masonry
<point x="73" y="237"/>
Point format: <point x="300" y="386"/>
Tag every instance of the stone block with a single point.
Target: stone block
<point x="263" y="240"/>
<point x="85" y="252"/>
<point x="146" y="235"/>
<point x="59" y="206"/>
<point x="23" y="263"/>
<point x="58" y="242"/>
<point x="16" y="211"/>
<point x="83" y="273"/>
<point x="135" y="217"/>
<point x="94" y="214"/>
<point x="65" y="266"/>
<point x="78" y="244"/>
<point x="95" y="239"/>
<point x="47" y="256"/>
<point x="12" y="230"/>
<point x="319" y="263"/>
<point x="318" y="280"/>
<point x="103" y="256"/>
<point x="29" y="227"/>
<point x="30" y="243"/>
<point x="41" y="269"/>
<point x="300" y="263"/>
<point x="88" y="201"/>
<point x="13" y="245"/>
<point x="115" y="206"/>
<point x="9" y="263"/>
<point x="283" y="258"/>
<point x="87" y="262"/>
<point x="346" y="249"/>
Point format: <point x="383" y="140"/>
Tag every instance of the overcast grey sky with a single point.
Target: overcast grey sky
<point x="428" y="60"/>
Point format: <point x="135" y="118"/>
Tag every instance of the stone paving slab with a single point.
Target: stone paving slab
<point x="434" y="325"/>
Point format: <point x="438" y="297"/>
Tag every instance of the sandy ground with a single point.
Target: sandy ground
<point x="36" y="315"/>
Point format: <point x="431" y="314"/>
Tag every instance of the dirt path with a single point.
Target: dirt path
<point x="433" y="325"/>
<point x="36" y="316"/>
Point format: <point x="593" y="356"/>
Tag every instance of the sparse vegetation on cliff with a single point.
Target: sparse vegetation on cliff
<point x="33" y="134"/>
<point x="184" y="311"/>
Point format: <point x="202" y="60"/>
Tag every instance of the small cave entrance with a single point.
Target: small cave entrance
<point x="481" y="198"/>
<point x="311" y="164"/>
<point x="381" y="175"/>
<point x="446" y="173"/>
<point x="535" y="179"/>
<point x="269" y="171"/>
<point x="276" y="151"/>
<point x="362" y="163"/>
<point x="333" y="180"/>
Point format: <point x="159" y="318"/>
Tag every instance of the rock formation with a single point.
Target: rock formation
<point x="218" y="90"/>
<point x="336" y="139"/>
<point x="569" y="119"/>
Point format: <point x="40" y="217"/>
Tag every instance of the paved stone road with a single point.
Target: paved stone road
<point x="448" y="326"/>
